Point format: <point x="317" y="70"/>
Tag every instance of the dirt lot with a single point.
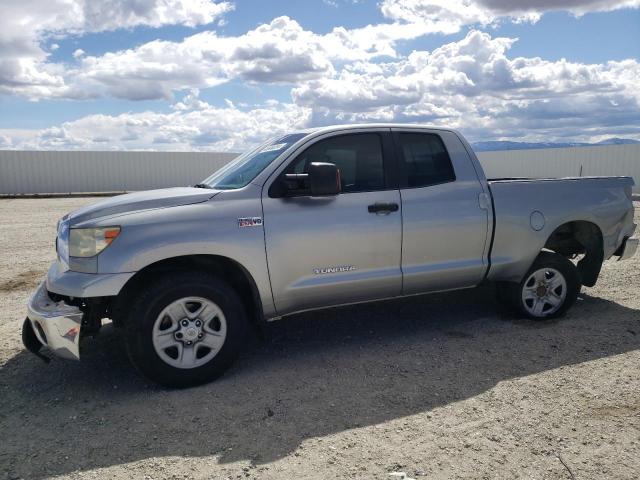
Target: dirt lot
<point x="439" y="386"/>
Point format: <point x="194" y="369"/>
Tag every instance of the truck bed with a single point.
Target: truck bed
<point x="527" y="211"/>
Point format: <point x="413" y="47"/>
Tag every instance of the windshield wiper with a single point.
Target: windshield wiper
<point x="201" y="185"/>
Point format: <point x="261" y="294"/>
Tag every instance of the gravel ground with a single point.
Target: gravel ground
<point x="441" y="386"/>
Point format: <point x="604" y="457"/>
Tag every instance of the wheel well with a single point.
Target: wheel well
<point x="230" y="270"/>
<point x="576" y="238"/>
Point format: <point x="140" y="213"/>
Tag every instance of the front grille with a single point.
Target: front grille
<point x="56" y="297"/>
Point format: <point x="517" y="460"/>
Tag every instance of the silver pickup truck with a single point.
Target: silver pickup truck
<point x="313" y="219"/>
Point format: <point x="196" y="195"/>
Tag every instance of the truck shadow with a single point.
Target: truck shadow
<point x="318" y="374"/>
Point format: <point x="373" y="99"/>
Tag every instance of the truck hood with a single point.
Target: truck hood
<point x="150" y="199"/>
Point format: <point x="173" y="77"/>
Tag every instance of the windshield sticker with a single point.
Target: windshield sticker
<point x="273" y="148"/>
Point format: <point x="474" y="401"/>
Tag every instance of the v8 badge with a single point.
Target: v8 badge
<point x="249" y="222"/>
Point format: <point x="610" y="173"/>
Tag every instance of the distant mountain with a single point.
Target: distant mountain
<point x="492" y="146"/>
<point x="617" y="141"/>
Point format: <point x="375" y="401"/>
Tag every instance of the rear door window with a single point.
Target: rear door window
<point x="424" y="160"/>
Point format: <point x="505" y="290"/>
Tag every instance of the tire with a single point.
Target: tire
<point x="547" y="291"/>
<point x="204" y="312"/>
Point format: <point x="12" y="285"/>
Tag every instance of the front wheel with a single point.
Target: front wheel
<point x="548" y="289"/>
<point x="185" y="329"/>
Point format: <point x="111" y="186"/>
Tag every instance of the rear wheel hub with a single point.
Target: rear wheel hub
<point x="544" y="292"/>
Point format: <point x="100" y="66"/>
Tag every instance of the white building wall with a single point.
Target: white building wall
<point x="25" y="172"/>
<point x="606" y="160"/>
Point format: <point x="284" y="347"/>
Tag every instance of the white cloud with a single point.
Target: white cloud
<point x="538" y="7"/>
<point x="443" y="15"/>
<point x="278" y="52"/>
<point x="191" y="102"/>
<point x="114" y="14"/>
<point x="448" y="16"/>
<point x="473" y="85"/>
<point x="25" y="24"/>
<point x="193" y="125"/>
<point x="343" y="75"/>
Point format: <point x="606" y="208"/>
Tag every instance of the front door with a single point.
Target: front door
<point x="340" y="249"/>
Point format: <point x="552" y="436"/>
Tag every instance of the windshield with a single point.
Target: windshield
<point x="247" y="166"/>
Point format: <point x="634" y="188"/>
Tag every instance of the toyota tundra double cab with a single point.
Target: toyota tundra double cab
<point x="313" y="219"/>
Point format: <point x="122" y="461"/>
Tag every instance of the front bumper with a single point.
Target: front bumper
<point x="56" y="325"/>
<point x="628" y="248"/>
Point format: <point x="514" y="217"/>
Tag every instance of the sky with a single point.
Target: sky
<point x="210" y="75"/>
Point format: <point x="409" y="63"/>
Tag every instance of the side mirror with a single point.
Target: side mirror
<point x="324" y="179"/>
<point x="321" y="180"/>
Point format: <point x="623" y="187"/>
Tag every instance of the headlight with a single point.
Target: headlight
<point x="88" y="242"/>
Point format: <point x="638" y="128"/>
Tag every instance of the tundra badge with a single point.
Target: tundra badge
<point x="339" y="269"/>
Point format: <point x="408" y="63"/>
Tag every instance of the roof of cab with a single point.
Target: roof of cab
<point x="353" y="126"/>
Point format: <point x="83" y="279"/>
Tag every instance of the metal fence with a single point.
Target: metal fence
<point x="27" y="172"/>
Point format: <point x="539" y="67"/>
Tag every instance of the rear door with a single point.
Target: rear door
<point x="445" y="227"/>
<point x="324" y="251"/>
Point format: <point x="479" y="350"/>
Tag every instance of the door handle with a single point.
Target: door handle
<point x="383" y="208"/>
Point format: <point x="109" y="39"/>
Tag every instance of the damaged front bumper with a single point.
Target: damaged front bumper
<point x="55" y="325"/>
